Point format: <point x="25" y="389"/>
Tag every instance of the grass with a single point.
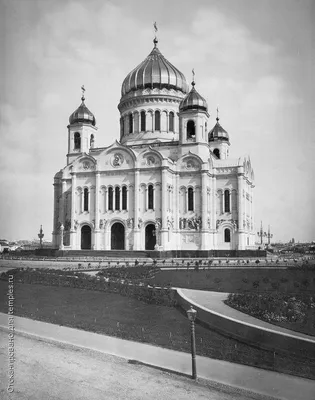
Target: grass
<point x="127" y="318"/>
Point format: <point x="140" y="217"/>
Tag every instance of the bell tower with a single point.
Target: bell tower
<point x="193" y="117"/>
<point x="219" y="140"/>
<point x="81" y="131"/>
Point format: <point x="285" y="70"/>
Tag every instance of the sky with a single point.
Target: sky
<point x="253" y="59"/>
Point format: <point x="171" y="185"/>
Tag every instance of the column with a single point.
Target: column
<point x="97" y="231"/>
<point x="73" y="211"/>
<point x="164" y="235"/>
<point x="153" y="194"/>
<point x="204" y="210"/>
<point x="176" y="211"/>
<point x="136" y="237"/>
<point x="241" y="210"/>
<point x="222" y="205"/>
<point x="120" y="198"/>
<point x="186" y="200"/>
<point x="106" y="199"/>
<point x="89" y="200"/>
<point x="146" y="198"/>
<point x="214" y="212"/>
<point x="55" y="232"/>
<point x="62" y="209"/>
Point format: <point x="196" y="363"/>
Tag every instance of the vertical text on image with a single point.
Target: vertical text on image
<point x="11" y="360"/>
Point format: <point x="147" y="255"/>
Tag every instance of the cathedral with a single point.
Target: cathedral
<point x="168" y="183"/>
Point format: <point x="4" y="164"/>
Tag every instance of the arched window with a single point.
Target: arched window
<point x="171" y="121"/>
<point x="92" y="140"/>
<point x="191" y="133"/>
<point x="142" y="121"/>
<point x="86" y="199"/>
<point x="124" y="198"/>
<point x="157" y="121"/>
<point x="216" y="152"/>
<point x="122" y="127"/>
<point x="117" y="198"/>
<point x="190" y="199"/>
<point x="110" y="198"/>
<point x="226" y="201"/>
<point x="227" y="235"/>
<point x="150" y="197"/>
<point x="130" y="123"/>
<point x="77" y="141"/>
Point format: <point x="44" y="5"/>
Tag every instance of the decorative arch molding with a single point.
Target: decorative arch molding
<point x="84" y="163"/>
<point x="222" y="224"/>
<point x="116" y="146"/>
<point x="148" y="222"/>
<point x="190" y="161"/>
<point x="86" y="222"/>
<point x="113" y="221"/>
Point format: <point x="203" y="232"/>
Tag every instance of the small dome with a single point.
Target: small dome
<point x="82" y="114"/>
<point x="154" y="72"/>
<point x="218" y="133"/>
<point x="193" y="101"/>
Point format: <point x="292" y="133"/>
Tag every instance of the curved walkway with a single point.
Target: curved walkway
<point x="214" y="311"/>
<point x="261" y="383"/>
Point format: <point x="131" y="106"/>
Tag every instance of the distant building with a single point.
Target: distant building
<point x="168" y="183"/>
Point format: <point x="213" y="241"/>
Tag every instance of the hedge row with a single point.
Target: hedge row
<point x="148" y="294"/>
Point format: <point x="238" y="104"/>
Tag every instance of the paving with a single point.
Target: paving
<point x="50" y="371"/>
<point x="262" y="382"/>
<point x="214" y="302"/>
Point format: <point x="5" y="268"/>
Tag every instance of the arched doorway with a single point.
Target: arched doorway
<point x="150" y="238"/>
<point x="86" y="235"/>
<point x="118" y="236"/>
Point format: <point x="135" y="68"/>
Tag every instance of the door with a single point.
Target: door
<point x="86" y="237"/>
<point x="118" y="236"/>
<point x="150" y="238"/>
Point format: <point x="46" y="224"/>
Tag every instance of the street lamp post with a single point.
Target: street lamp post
<point x="191" y="313"/>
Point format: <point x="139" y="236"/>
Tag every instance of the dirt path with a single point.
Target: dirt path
<point x="46" y="371"/>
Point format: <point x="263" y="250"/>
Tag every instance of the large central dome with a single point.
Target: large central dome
<point x="154" y="72"/>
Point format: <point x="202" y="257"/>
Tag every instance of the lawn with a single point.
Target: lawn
<point x="128" y="318"/>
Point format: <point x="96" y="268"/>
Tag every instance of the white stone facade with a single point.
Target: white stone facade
<point x="160" y="187"/>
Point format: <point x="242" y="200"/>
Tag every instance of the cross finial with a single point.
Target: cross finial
<point x="83" y="90"/>
<point x="155" y="41"/>
<point x="218" y="114"/>
<point x="193" y="77"/>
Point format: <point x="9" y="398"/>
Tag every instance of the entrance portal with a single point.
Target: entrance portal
<point x="150" y="238"/>
<point x="118" y="236"/>
<point x="86" y="237"/>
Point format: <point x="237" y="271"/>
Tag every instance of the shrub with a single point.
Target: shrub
<point x="275" y="285"/>
<point x="257" y="261"/>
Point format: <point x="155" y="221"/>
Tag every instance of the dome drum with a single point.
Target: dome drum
<point x="155" y="72"/>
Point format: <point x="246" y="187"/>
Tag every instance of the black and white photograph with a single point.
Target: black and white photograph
<point x="157" y="224"/>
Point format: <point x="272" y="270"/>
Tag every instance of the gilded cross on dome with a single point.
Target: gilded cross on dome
<point x="193" y="77"/>
<point x="83" y="90"/>
<point x="155" y="41"/>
